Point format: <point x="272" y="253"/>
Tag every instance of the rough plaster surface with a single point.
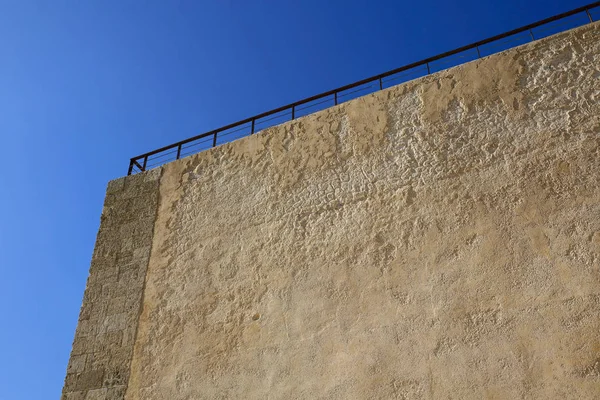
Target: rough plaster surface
<point x="103" y="346"/>
<point x="439" y="239"/>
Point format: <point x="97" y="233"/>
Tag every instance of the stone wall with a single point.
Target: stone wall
<point x="438" y="239"/>
<point x="101" y="357"/>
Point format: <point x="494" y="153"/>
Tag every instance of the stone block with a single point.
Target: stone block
<point x="115" y="289"/>
<point x="106" y="341"/>
<point x="96" y="394"/>
<point x="81" y="345"/>
<point x="89" y="380"/>
<point x="98" y="360"/>
<point x="76" y="364"/>
<point x="116" y="305"/>
<point x="80" y="395"/>
<point x="114" y="322"/>
<point x="88" y="327"/>
<point x="120" y="357"/>
<point x="104" y="276"/>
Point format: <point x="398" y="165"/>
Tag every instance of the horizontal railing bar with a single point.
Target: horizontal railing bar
<point x="162" y="155"/>
<point x="315" y="104"/>
<point x="232" y="132"/>
<point x="197" y="143"/>
<point x="272" y="118"/>
<point x="336" y="91"/>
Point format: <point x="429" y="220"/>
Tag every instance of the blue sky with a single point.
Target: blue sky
<point x="85" y="85"/>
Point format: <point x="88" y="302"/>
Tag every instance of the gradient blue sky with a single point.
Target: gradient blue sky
<point x="85" y="85"/>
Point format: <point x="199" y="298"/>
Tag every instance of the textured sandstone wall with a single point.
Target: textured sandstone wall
<point x="439" y="239"/>
<point x="103" y="346"/>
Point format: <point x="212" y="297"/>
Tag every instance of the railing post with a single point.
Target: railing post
<point x="531" y="33"/>
<point x="478" y="53"/>
<point x="589" y="15"/>
<point x="215" y="140"/>
<point x="252" y="131"/>
<point x="130" y="167"/>
<point x="145" y="162"/>
<point x="293" y="112"/>
<point x="335" y="98"/>
<point x="380" y="84"/>
<point x="178" y="152"/>
<point x="428" y="70"/>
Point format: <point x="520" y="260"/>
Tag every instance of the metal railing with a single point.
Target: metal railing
<point x="577" y="17"/>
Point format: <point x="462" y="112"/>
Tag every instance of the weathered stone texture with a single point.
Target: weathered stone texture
<point x="101" y="356"/>
<point x="440" y="239"/>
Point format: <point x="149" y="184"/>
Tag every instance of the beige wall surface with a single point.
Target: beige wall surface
<point x="436" y="240"/>
<point x="440" y="239"/>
